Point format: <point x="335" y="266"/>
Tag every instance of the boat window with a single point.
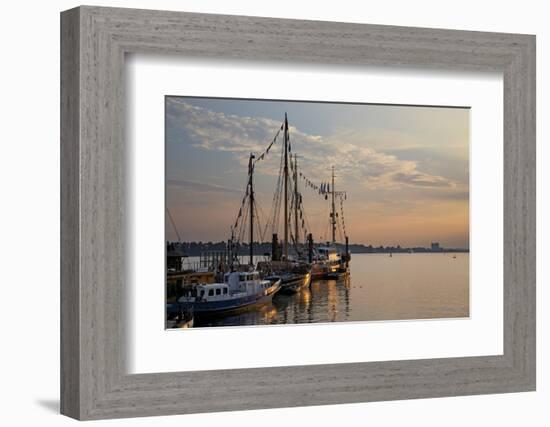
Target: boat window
<point x="225" y="291"/>
<point x="218" y="291"/>
<point x="202" y="293"/>
<point x="211" y="292"/>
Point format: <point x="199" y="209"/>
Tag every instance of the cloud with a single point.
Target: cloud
<point x="200" y="186"/>
<point x="420" y="179"/>
<point x="211" y="130"/>
<point x="240" y="135"/>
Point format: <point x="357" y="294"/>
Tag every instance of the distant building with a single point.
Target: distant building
<point x="436" y="247"/>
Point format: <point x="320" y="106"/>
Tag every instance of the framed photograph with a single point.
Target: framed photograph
<point x="284" y="255"/>
<point x="261" y="213"/>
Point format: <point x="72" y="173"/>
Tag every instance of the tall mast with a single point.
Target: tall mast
<point x="285" y="242"/>
<point x="333" y="215"/>
<point x="251" y="195"/>
<point x="296" y="200"/>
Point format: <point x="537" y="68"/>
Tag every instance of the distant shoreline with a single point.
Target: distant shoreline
<point x="198" y="248"/>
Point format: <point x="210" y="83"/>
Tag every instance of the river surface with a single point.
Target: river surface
<point x="379" y="287"/>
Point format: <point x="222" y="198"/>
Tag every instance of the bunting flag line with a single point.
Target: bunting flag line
<point x="262" y="156"/>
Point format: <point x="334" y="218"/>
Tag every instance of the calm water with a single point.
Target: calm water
<point x="379" y="287"/>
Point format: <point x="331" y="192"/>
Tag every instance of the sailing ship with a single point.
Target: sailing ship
<point x="328" y="262"/>
<point x="286" y="261"/>
<point x="292" y="264"/>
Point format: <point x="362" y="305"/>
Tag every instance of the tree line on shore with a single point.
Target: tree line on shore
<point x="264" y="248"/>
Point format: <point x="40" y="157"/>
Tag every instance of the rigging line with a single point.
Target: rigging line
<point x="275" y="204"/>
<point x="280" y="183"/>
<point x="260" y="234"/>
<point x="342" y="215"/>
<point x="242" y="228"/>
<point x="339" y="230"/>
<point x="278" y="193"/>
<point x="245" y="198"/>
<point x="327" y="222"/>
<point x="173" y="224"/>
<point x="276" y="211"/>
<point x="260" y="216"/>
<point x="292" y="236"/>
<point x="306" y="219"/>
<point x="293" y="239"/>
<point x="322" y="221"/>
<point x="266" y="151"/>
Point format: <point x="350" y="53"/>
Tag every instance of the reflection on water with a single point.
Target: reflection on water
<point x="379" y="287"/>
<point x="323" y="301"/>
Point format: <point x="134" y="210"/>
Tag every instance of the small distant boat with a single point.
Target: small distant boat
<point x="239" y="289"/>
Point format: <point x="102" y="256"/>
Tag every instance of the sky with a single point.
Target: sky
<point x="405" y="169"/>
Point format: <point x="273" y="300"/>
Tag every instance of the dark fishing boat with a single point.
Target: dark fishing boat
<point x="293" y="275"/>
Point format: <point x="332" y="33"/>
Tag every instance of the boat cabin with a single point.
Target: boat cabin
<point x="234" y="283"/>
<point x="242" y="280"/>
<point x="328" y="253"/>
<point x="206" y="290"/>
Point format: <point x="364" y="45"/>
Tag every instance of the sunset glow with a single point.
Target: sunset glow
<point x="405" y="169"/>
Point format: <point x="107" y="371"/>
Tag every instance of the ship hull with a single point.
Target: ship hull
<point x="292" y="283"/>
<point x="324" y="270"/>
<point x="230" y="304"/>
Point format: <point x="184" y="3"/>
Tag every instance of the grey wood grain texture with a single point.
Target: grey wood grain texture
<point x="70" y="362"/>
<point x="94" y="379"/>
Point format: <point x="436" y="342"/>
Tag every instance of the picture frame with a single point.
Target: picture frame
<point x="94" y="381"/>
